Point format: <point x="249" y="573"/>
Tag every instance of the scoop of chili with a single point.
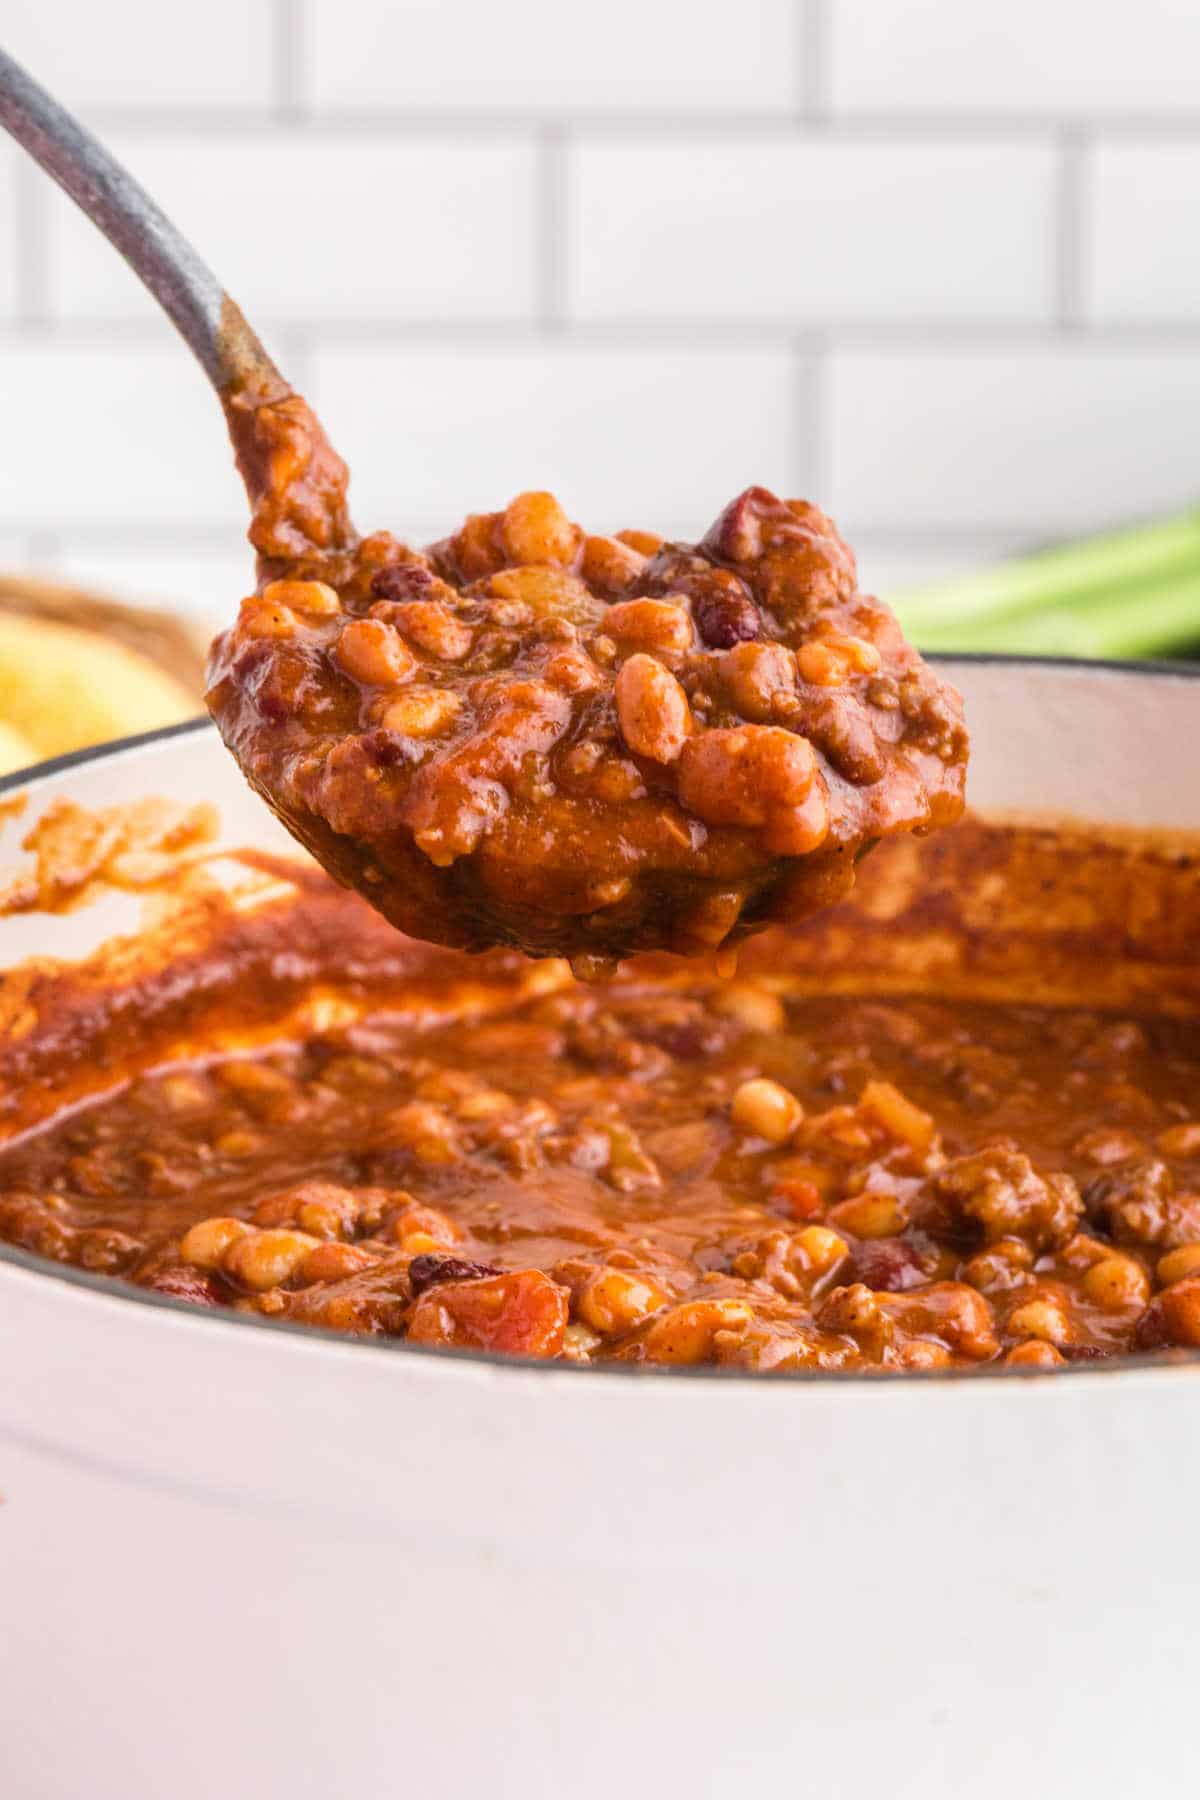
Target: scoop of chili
<point x="578" y="745"/>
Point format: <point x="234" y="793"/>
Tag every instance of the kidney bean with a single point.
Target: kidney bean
<point x="185" y="1284"/>
<point x="725" y="614"/>
<point x="403" y="581"/>
<point x="428" y="1269"/>
<point x="890" y="1265"/>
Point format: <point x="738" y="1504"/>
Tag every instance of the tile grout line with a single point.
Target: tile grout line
<point x="946" y="337"/>
<point x="551" y="227"/>
<point x="96" y="333"/>
<point x="1068" y="247"/>
<point x="290" y="51"/>
<point x="900" y="127"/>
<point x="816" y="86"/>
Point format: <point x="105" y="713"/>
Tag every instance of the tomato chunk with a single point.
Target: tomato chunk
<point x="523" y="1314"/>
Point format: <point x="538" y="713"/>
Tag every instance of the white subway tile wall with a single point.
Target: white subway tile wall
<point x="1140" y="232"/>
<point x="1053" y="58"/>
<point x="1024" y="442"/>
<point x="615" y="57"/>
<point x="431" y="431"/>
<point x="808" y="230"/>
<point x="929" y="261"/>
<point x="144" y="54"/>
<point x="435" y="229"/>
<point x="98" y="433"/>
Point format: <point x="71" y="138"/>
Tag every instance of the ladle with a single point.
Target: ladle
<point x="210" y="323"/>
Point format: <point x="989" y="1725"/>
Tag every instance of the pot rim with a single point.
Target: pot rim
<point x="113" y="1289"/>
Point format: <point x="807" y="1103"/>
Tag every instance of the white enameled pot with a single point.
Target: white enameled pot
<point x="249" y="1561"/>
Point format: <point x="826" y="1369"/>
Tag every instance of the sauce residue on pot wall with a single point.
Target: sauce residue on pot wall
<point x="73" y="851"/>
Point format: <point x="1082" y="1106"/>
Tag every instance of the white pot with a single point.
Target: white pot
<point x="238" y="1559"/>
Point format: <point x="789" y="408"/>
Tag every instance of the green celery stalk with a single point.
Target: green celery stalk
<point x="1130" y="593"/>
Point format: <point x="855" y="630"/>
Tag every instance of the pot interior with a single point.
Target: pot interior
<point x="1075" y="879"/>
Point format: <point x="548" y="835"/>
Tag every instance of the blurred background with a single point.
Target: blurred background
<point x="933" y="265"/>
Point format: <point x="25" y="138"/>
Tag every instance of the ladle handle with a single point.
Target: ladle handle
<point x="184" y="286"/>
